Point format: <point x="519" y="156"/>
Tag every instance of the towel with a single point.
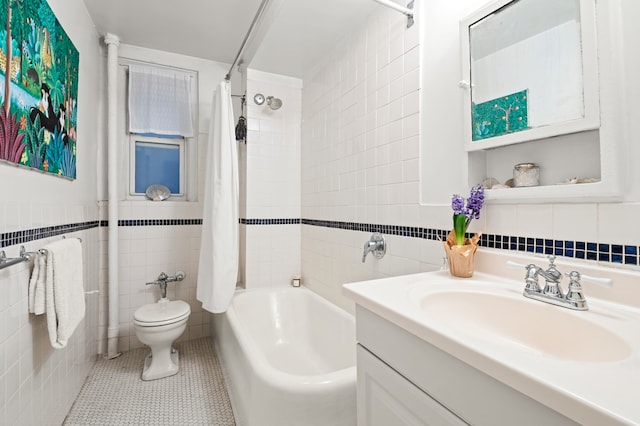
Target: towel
<point x="61" y="273"/>
<point x="36" y="285"/>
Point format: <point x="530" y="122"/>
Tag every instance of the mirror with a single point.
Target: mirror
<point x="530" y="66"/>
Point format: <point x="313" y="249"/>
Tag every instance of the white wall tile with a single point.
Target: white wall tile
<point x="535" y="220"/>
<point x="575" y="222"/>
<point x="273" y="187"/>
<point x="616" y="223"/>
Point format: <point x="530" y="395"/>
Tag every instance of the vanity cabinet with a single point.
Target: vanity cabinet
<point x="404" y="380"/>
<point x="386" y="398"/>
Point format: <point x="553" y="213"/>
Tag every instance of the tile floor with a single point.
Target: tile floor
<point x="114" y="394"/>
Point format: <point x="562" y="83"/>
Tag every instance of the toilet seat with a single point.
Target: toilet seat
<point x="161" y="313"/>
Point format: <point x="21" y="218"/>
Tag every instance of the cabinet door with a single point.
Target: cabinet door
<point x="386" y="398"/>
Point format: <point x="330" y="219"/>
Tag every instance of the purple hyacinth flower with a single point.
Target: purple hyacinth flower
<point x="457" y="204"/>
<point x="475" y="202"/>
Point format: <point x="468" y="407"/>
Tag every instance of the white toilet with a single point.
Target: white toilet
<point x="158" y="325"/>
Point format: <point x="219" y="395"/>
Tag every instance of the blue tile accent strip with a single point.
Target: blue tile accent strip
<point x="20" y="237"/>
<point x="603" y="252"/>
<point x="615" y="253"/>
<point x="294" y="221"/>
<point x="157" y="222"/>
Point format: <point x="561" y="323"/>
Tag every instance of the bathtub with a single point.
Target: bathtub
<point x="288" y="357"/>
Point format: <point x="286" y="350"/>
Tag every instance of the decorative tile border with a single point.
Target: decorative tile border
<point x="295" y="221"/>
<point x="602" y="252"/>
<point x="157" y="222"/>
<point x="614" y="253"/>
<point x="20" y="237"/>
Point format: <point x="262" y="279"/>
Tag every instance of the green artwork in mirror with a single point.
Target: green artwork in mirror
<point x="500" y="116"/>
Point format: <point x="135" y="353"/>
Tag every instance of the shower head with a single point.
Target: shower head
<point x="274" y="103"/>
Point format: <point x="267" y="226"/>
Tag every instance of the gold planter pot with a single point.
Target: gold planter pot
<point x="461" y="258"/>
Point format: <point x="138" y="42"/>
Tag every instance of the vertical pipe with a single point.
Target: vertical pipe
<point x="112" y="41"/>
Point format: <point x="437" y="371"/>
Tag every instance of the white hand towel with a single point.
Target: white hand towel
<point x="64" y="290"/>
<point x="37" y="285"/>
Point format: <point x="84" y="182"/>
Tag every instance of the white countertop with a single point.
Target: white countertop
<point x="587" y="392"/>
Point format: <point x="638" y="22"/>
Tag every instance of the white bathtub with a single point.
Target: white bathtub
<point x="288" y="357"/>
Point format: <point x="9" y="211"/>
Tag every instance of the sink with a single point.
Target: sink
<point x="583" y="364"/>
<point x="511" y="319"/>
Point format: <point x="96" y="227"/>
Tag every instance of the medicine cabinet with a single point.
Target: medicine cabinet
<point x="532" y="88"/>
<point x="531" y="71"/>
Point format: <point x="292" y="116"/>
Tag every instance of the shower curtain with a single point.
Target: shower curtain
<point x="219" y="247"/>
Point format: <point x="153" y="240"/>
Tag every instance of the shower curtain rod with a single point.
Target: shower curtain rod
<point x="408" y="11"/>
<point x="256" y="19"/>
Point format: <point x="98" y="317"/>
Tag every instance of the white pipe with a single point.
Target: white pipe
<point x="397" y="7"/>
<point x="112" y="41"/>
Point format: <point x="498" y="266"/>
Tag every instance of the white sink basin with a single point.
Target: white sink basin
<point x="550" y="330"/>
<point x="583" y="364"/>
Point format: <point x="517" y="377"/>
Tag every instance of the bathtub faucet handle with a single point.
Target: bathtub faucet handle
<point x="376" y="245"/>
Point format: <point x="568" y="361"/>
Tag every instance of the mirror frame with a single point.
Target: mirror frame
<point x="591" y="118"/>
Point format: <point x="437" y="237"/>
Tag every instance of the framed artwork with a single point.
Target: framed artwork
<point x="39" y="92"/>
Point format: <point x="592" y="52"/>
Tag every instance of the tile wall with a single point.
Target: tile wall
<point x="360" y="151"/>
<point x="271" y="183"/>
<point x="154" y="239"/>
<point x="38" y="384"/>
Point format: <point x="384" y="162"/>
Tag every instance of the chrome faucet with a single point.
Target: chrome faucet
<point x="552" y="278"/>
<point x="552" y="291"/>
<point x="163" y="279"/>
<point x="376" y="245"/>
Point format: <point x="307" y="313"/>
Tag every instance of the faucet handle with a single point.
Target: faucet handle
<point x="574" y="293"/>
<point x="376" y="245"/>
<point x="513" y="264"/>
<point x="602" y="282"/>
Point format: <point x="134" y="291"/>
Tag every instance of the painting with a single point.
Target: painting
<point x="506" y="114"/>
<point x="39" y="77"/>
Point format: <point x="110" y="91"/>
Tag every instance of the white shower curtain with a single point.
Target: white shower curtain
<point x="219" y="247"/>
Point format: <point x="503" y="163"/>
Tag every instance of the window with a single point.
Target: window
<point x="160" y="152"/>
<point x="156" y="160"/>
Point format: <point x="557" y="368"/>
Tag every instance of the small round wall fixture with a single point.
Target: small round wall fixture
<point x="258" y="99"/>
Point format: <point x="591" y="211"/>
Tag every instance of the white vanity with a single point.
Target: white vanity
<point x="438" y="350"/>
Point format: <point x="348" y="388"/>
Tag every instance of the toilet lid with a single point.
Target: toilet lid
<point x="162" y="312"/>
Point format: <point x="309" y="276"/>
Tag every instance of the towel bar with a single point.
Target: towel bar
<point x="9" y="261"/>
<point x="24" y="256"/>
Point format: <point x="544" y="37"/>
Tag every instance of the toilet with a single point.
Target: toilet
<point x="158" y="325"/>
